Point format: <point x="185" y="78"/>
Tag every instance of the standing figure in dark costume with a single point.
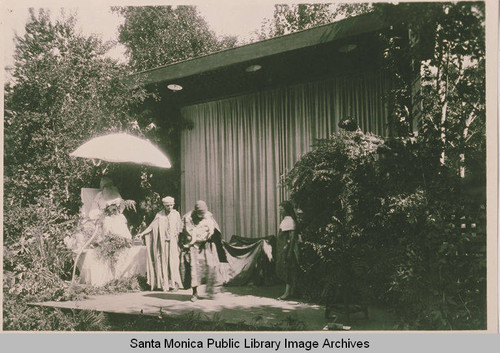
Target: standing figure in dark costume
<point x="202" y="243"/>
<point x="287" y="262"/>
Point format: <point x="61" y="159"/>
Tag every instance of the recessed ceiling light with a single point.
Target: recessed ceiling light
<point x="174" y="87"/>
<point x="347" y="48"/>
<point x="253" y="68"/>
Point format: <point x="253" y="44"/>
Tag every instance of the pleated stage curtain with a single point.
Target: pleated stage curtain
<point x="241" y="146"/>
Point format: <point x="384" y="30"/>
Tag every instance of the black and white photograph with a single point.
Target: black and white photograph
<point x="247" y="166"/>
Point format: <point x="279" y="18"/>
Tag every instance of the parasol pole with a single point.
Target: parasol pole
<point x="98" y="226"/>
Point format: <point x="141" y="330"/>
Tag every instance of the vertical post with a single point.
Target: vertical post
<point x="416" y="82"/>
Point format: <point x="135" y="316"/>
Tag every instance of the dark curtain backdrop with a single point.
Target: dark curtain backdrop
<point x="241" y="146"/>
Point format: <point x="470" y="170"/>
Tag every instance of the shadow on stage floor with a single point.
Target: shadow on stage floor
<point x="251" y="306"/>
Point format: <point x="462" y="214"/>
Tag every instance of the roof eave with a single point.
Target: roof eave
<point x="349" y="27"/>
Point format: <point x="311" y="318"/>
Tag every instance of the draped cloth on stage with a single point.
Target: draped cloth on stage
<point x="250" y="260"/>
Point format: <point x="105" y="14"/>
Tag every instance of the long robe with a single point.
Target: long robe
<point x="116" y="225"/>
<point x="201" y="262"/>
<point x="163" y="250"/>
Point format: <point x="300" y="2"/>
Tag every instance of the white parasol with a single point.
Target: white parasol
<point x="122" y="148"/>
<point x="118" y="148"/>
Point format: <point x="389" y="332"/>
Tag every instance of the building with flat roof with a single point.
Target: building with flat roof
<point x="256" y="109"/>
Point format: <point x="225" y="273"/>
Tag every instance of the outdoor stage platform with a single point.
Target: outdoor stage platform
<point x="252" y="306"/>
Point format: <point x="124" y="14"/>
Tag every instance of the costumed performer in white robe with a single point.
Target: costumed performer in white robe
<point x="163" y="247"/>
<point x="115" y="223"/>
<point x="108" y="192"/>
<point x="91" y="211"/>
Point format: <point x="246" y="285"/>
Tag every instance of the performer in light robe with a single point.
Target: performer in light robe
<point x="108" y="192"/>
<point x="93" y="211"/>
<point x="163" y="248"/>
<point x="114" y="222"/>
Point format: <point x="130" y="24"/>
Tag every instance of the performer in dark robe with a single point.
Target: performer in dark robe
<point x="287" y="262"/>
<point x="203" y="251"/>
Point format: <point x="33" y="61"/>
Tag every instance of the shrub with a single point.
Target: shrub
<point x="379" y="226"/>
<point x="37" y="267"/>
<point x="335" y="188"/>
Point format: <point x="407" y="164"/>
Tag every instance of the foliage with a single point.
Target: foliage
<point x="23" y="318"/>
<point x="393" y="220"/>
<point x="449" y="290"/>
<point x="438" y="279"/>
<point x="159" y="35"/>
<point x="434" y="241"/>
<point x="292" y="18"/>
<point x="33" y="239"/>
<point x="111" y="246"/>
<point x="403" y="221"/>
<point x="77" y="291"/>
<point x="454" y="88"/>
<point x="450" y="39"/>
<point x="36" y="265"/>
<point x="64" y="92"/>
<point x="196" y="321"/>
<point x="156" y="36"/>
<point x="334" y="187"/>
<point x="378" y="227"/>
<point x="18" y="315"/>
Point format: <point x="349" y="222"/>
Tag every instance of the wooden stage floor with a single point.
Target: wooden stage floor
<point x="253" y="306"/>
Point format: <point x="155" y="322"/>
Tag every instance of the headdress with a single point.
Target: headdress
<point x="200" y="206"/>
<point x="168" y="199"/>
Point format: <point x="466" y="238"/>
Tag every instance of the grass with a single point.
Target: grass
<point x="193" y="321"/>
